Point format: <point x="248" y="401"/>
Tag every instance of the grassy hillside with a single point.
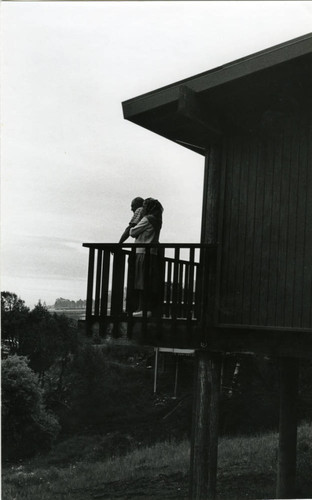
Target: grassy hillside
<point x="247" y="469"/>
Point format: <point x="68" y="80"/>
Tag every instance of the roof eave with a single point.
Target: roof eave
<point x="237" y="69"/>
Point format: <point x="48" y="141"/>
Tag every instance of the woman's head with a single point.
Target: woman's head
<point x="152" y="207"/>
<point x="153" y="210"/>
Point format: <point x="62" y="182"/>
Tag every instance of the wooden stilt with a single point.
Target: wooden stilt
<point x="204" y="444"/>
<point x="286" y="474"/>
<point x="176" y="378"/>
<point x="156" y="369"/>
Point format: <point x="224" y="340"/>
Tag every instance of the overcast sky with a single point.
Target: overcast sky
<point x="70" y="163"/>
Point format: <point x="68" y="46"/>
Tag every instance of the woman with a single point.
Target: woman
<point x="147" y="231"/>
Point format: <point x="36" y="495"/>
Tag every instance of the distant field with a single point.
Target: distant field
<point x="70" y="313"/>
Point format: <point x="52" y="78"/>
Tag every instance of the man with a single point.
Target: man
<point x="136" y="207"/>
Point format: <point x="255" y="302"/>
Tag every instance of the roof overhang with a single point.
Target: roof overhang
<point x="197" y="111"/>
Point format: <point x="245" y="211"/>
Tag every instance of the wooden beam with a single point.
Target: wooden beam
<point x="265" y="341"/>
<point x="176" y="350"/>
<point x="190" y="107"/>
<point x="286" y="473"/>
<point x="204" y="443"/>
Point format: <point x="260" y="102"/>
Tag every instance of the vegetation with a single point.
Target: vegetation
<point x="14" y="315"/>
<point x="28" y="426"/>
<point x="77" y="408"/>
<point x="61" y="303"/>
<point x="247" y="469"/>
<point x="41" y="336"/>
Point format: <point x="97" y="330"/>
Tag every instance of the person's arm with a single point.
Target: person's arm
<point x="139" y="228"/>
<point x="125" y="235"/>
<point x="134" y="221"/>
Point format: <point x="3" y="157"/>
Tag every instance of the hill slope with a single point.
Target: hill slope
<point x="247" y="469"/>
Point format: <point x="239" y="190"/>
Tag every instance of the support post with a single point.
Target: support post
<point x="156" y="369"/>
<point x="209" y="234"/>
<point x="204" y="443"/>
<point x="176" y="377"/>
<point x="286" y="470"/>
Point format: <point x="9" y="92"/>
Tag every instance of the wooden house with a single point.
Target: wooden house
<point x="247" y="286"/>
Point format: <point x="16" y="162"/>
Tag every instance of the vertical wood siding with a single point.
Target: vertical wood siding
<point x="265" y="267"/>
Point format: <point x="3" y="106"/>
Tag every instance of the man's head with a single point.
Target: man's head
<point x="136" y="203"/>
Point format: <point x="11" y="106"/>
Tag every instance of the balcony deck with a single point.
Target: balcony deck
<point x="180" y="320"/>
<point x="111" y="294"/>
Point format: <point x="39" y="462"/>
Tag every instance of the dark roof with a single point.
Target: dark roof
<point x="196" y="110"/>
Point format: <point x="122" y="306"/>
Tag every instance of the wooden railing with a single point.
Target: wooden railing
<point x="111" y="295"/>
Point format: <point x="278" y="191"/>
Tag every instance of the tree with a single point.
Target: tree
<point x="26" y="424"/>
<point x="61" y="304"/>
<point x="41" y="336"/>
<point x="14" y="315"/>
<point x="48" y="338"/>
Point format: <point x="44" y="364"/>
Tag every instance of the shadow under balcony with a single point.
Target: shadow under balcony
<point x="111" y="294"/>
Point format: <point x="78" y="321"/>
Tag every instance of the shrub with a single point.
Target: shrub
<point x="102" y="391"/>
<point x="27" y="426"/>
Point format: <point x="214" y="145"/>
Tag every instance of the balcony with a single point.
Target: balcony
<point x="181" y="293"/>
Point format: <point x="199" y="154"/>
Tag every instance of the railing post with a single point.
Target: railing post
<point x="180" y="290"/>
<point x="168" y="290"/>
<point x="175" y="283"/>
<point x="98" y="283"/>
<point x="104" y="291"/>
<point x="130" y="299"/>
<point x="90" y="285"/>
<point x="161" y="288"/>
<point x="132" y="294"/>
<point x="190" y="294"/>
<point x="147" y="283"/>
<point x="117" y="287"/>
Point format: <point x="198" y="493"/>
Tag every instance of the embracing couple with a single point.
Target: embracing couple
<point x="145" y="227"/>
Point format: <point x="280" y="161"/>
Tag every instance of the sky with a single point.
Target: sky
<point x="70" y="163"/>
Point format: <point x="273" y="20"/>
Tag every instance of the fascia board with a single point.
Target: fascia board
<point x="232" y="71"/>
